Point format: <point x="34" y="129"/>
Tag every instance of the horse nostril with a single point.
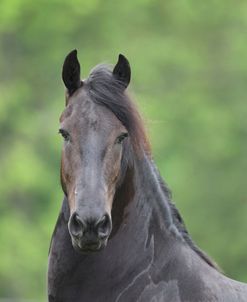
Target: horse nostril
<point x="103" y="226"/>
<point x="76" y="226"/>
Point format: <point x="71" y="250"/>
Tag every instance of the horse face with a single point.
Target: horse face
<point x="90" y="169"/>
<point x="91" y="156"/>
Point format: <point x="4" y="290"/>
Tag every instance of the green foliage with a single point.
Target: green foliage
<point x="189" y="63"/>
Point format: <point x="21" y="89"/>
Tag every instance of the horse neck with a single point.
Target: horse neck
<point x="141" y="210"/>
<point x="156" y="196"/>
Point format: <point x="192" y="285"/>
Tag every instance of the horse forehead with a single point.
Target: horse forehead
<point x="89" y="115"/>
<point x="83" y="115"/>
<point x="89" y="119"/>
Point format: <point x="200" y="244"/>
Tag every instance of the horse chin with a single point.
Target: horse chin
<point x="88" y="248"/>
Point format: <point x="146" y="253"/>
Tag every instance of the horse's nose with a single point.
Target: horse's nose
<point x="82" y="227"/>
<point x="77" y="226"/>
<point x="103" y="226"/>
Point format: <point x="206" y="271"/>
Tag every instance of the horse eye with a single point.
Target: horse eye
<point x="121" y="137"/>
<point x="64" y="134"/>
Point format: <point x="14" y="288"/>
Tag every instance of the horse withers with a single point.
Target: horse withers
<point x="118" y="236"/>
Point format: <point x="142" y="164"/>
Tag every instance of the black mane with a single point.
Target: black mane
<point x="105" y="90"/>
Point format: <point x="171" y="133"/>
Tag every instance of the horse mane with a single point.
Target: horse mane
<point x="178" y="221"/>
<point x="105" y="90"/>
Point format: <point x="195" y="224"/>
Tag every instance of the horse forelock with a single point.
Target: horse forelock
<point x="104" y="89"/>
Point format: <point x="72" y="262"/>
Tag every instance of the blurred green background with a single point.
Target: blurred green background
<point x="189" y="78"/>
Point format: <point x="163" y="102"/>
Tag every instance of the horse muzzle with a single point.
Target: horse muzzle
<point x="89" y="234"/>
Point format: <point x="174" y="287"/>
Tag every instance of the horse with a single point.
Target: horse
<point x="119" y="236"/>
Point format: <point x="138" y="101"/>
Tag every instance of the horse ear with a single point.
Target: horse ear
<point x="71" y="72"/>
<point x="122" y="70"/>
